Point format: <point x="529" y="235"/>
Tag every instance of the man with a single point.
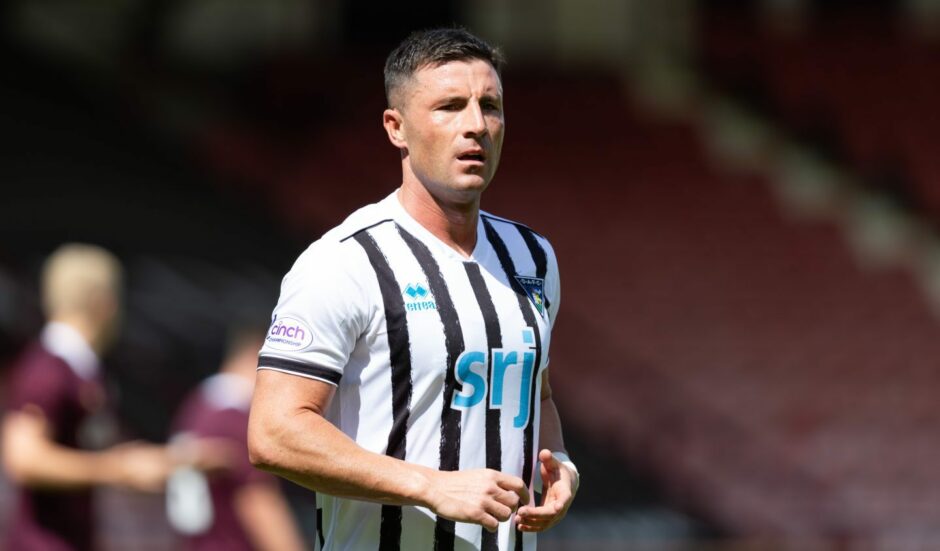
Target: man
<point x="239" y="508"/>
<point x="404" y="375"/>
<point x="54" y="390"/>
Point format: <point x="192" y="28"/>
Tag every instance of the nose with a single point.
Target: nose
<point x="474" y="122"/>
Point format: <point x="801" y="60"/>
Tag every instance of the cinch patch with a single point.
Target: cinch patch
<point x="289" y="334"/>
<point x="534" y="289"/>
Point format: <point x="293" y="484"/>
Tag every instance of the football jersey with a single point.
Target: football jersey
<point x="437" y="359"/>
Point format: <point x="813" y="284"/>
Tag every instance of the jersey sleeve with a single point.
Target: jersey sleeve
<point x="320" y="315"/>
<point x="39" y="384"/>
<point x="552" y="282"/>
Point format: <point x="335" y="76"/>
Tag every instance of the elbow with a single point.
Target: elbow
<point x="20" y="451"/>
<point x="262" y="447"/>
<point x="15" y="469"/>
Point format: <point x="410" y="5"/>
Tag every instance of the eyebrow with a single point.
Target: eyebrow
<point x="459" y="98"/>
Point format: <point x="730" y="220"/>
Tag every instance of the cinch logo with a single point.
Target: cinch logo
<point x="418" y="298"/>
<point x="515" y="365"/>
<point x="289" y="334"/>
<point x="294" y="331"/>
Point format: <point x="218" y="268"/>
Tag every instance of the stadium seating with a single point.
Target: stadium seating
<point x="748" y="363"/>
<point x="869" y="82"/>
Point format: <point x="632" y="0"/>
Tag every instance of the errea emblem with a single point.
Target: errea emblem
<point x="418" y="297"/>
<point x="288" y="334"/>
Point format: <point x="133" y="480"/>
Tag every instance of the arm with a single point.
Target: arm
<point x="288" y="436"/>
<point x="559" y="482"/>
<point x="32" y="458"/>
<point x="266" y="517"/>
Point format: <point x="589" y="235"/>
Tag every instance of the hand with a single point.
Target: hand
<point x="559" y="484"/>
<point x="209" y="455"/>
<point x="481" y="496"/>
<point x="142" y="467"/>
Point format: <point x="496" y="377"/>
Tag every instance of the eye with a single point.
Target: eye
<point x="490" y="105"/>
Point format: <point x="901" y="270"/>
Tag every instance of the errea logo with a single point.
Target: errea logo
<point x="418" y="298"/>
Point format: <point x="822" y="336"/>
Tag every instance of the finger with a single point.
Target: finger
<point x="489" y="522"/>
<point x="498" y="510"/>
<point x="533" y="528"/>
<point x="536" y="525"/>
<point x="514" y="484"/>
<point x="549" y="466"/>
<point x="546" y="511"/>
<point x="547" y="459"/>
<point x="508" y="498"/>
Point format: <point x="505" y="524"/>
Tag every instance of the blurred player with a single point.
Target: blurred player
<point x="55" y="387"/>
<point x="404" y="376"/>
<point x="240" y="508"/>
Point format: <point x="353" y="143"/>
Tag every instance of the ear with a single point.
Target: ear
<point x="393" y="122"/>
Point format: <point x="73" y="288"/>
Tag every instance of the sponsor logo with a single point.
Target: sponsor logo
<point x="289" y="334"/>
<point x="418" y="298"/>
<point x="510" y="380"/>
<point x="534" y="290"/>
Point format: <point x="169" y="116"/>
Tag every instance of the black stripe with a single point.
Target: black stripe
<point x="453" y="342"/>
<point x="538" y="256"/>
<point x="510" y="222"/>
<point x="505" y="260"/>
<point x="360" y="230"/>
<point x="320" y="526"/>
<point x="301" y="368"/>
<point x="399" y="346"/>
<point x="494" y="339"/>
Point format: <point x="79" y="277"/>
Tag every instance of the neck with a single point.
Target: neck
<point x="453" y="222"/>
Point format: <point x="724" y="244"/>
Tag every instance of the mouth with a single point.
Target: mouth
<point x="472" y="157"/>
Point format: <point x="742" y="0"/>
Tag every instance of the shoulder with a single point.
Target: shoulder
<point x="493" y="219"/>
<point x="39" y="377"/>
<point x="35" y="362"/>
<point x="537" y="243"/>
<point x="338" y="252"/>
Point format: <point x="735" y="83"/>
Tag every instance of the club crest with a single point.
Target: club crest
<point x="534" y="288"/>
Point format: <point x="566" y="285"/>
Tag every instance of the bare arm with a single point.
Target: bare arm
<point x="287" y="435"/>
<point x="266" y="517"/>
<point x="550" y="426"/>
<point x="559" y="482"/>
<point x="33" y="459"/>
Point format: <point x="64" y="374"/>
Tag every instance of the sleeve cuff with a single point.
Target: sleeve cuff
<point x="300" y="368"/>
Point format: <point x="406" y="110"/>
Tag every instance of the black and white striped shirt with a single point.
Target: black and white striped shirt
<point x="436" y="357"/>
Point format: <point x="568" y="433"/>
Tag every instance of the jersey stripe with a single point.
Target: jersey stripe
<point x="300" y="368"/>
<point x="494" y="339"/>
<point x="505" y="260"/>
<point x="399" y="347"/>
<point x="454" y="343"/>
<point x="538" y="255"/>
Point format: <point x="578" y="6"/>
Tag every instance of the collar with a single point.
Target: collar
<point x="64" y="341"/>
<point x="403" y="217"/>
<point x="227" y="391"/>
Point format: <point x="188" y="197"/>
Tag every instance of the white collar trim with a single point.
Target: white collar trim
<point x="67" y="343"/>
<point x="228" y="391"/>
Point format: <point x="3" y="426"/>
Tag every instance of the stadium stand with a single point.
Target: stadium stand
<point x="868" y="82"/>
<point x="772" y="385"/>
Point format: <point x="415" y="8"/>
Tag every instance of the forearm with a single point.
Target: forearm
<point x="307" y="449"/>
<point x="550" y="433"/>
<point x="267" y="519"/>
<point x="33" y="460"/>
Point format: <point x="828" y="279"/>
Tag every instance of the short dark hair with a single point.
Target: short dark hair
<point x="432" y="48"/>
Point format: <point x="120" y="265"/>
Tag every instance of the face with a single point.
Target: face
<point x="449" y="124"/>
